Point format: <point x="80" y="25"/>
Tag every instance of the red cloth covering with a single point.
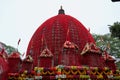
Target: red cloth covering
<point x="27" y="63"/>
<point x="45" y="61"/>
<point x="14" y="62"/>
<point x="55" y="31"/>
<point x="14" y="65"/>
<point x="3" y="68"/>
<point x="62" y="29"/>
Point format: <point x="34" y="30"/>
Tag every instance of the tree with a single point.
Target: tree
<point x="115" y="29"/>
<point x="114" y="44"/>
<point x="9" y="49"/>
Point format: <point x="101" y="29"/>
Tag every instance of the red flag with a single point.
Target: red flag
<point x="42" y="38"/>
<point x="19" y="41"/>
<point x="23" y="54"/>
<point x="68" y="36"/>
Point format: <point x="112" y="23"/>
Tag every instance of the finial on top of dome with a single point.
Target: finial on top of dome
<point x="60" y="7"/>
<point x="61" y="11"/>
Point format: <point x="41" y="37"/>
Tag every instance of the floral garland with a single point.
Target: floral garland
<point x="47" y="72"/>
<point x="44" y="73"/>
<point x="70" y="72"/>
<point x="82" y="72"/>
<point x="93" y="72"/>
<point x="50" y="73"/>
<point x="99" y="73"/>
<point x="74" y="72"/>
<point x="107" y="72"/>
<point x="66" y="72"/>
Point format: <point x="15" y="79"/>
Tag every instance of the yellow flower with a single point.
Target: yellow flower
<point x="100" y="76"/>
<point x="36" y="68"/>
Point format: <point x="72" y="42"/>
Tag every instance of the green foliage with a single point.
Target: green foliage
<point x="8" y="49"/>
<point x="114" y="44"/>
<point x="118" y="64"/>
<point x="115" y="29"/>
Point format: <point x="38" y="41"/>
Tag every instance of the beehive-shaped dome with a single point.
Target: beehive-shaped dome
<point x="56" y="33"/>
<point x="14" y="62"/>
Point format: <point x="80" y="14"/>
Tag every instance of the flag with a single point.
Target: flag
<point x="42" y="38"/>
<point x="19" y="41"/>
<point x="67" y="36"/>
<point x="23" y="54"/>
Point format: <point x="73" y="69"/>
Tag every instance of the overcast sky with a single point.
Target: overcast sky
<point x="21" y="18"/>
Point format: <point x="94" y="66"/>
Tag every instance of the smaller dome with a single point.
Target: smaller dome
<point x="28" y="59"/>
<point x="14" y="55"/>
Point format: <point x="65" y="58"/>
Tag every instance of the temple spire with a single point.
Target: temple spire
<point x="61" y="11"/>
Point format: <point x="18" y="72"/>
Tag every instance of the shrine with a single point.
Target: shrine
<point x="60" y="49"/>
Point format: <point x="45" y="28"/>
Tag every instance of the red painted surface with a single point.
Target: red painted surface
<point x="60" y="34"/>
<point x="3" y="66"/>
<point x="61" y="40"/>
<point x="14" y="62"/>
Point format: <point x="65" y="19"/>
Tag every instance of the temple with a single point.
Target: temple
<point x="60" y="49"/>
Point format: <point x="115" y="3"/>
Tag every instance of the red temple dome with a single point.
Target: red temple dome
<point x="14" y="62"/>
<point x="57" y="31"/>
<point x="62" y="48"/>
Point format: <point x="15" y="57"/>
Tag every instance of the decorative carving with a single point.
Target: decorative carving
<point x="70" y="45"/>
<point x="46" y="53"/>
<point x="90" y="47"/>
<point x="28" y="58"/>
